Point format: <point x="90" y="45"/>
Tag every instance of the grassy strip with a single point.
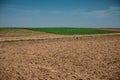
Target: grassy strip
<point x="63" y="31"/>
<point x="71" y="31"/>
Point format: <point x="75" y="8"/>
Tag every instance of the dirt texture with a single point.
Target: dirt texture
<point x="110" y="29"/>
<point x="22" y="34"/>
<point x="70" y="58"/>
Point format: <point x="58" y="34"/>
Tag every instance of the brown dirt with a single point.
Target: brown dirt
<point x="22" y="34"/>
<point x="111" y="29"/>
<point x="94" y="57"/>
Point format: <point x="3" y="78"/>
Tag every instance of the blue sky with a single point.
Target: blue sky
<point x="60" y="13"/>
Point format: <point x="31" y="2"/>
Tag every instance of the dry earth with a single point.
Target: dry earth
<point x="111" y="29"/>
<point x="22" y="34"/>
<point x="94" y="57"/>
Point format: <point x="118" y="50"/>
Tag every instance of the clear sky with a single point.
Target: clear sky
<point x="60" y="13"/>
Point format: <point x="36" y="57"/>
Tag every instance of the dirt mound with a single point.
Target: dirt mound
<point x="73" y="58"/>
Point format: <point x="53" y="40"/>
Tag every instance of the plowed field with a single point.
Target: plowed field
<point x="94" y="57"/>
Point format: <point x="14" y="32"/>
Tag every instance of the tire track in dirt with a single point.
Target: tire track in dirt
<point x="50" y="36"/>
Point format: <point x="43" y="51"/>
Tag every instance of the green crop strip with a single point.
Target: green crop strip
<point x="71" y="31"/>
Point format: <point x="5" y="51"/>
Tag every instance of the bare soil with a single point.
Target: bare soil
<point x="22" y="34"/>
<point x="111" y="29"/>
<point x="95" y="57"/>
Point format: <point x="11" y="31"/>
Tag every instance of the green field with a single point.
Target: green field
<point x="71" y="31"/>
<point x="62" y="31"/>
